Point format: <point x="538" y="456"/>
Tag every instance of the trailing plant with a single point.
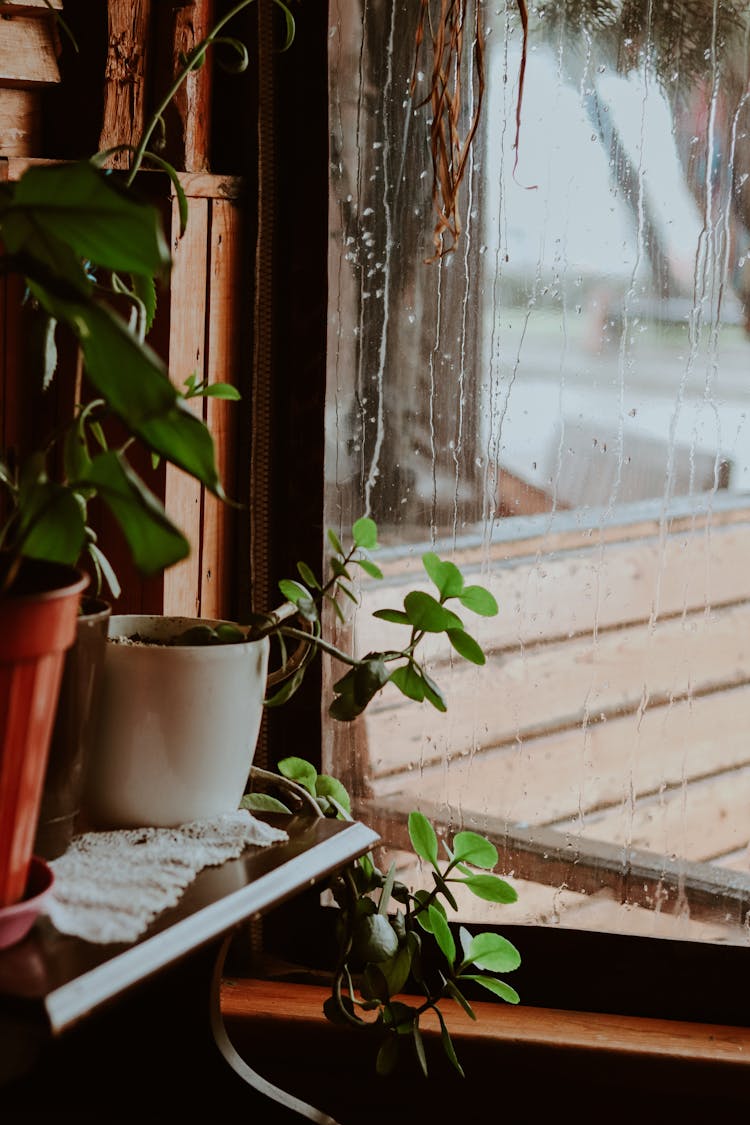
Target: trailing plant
<point x="91" y="252"/>
<point x="300" y="619"/>
<point x="398" y="957"/>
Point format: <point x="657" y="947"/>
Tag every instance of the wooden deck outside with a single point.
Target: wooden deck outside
<point x="603" y="745"/>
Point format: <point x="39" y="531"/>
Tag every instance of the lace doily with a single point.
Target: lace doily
<point x="110" y="885"/>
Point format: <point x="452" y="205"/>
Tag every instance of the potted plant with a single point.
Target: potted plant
<point x="89" y="253"/>
<point x="199" y="687"/>
<point x="397" y="956"/>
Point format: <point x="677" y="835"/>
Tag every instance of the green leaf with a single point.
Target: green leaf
<point x="396" y="969"/>
<point x="470" y="847"/>
<point x="444" y="889"/>
<point x="293" y="591"/>
<point x="498" y="987"/>
<point x="433" y="694"/>
<point x="335" y="542"/>
<point x="297" y="769"/>
<point x="104" y="570"/>
<point x="88" y="210"/>
<point x="76" y="458"/>
<point x="307" y="575"/>
<point x="182" y="203"/>
<point x="442" y="934"/>
<point x="53" y="524"/>
<point x="466" y="646"/>
<point x="137" y="388"/>
<point x="491" y="888"/>
<point x="419" y="1047"/>
<point x="263" y="802"/>
<point x="365" y="533"/>
<point x="409" y="682"/>
<point x="455" y="992"/>
<point x="396" y="616"/>
<point x="222" y="390"/>
<point x="374" y="939"/>
<point x="423" y="899"/>
<point x="423" y="838"/>
<point x="479" y="600"/>
<point x="446" y="575"/>
<point x="387" y="1056"/>
<point x="339" y="569"/>
<point x="287" y="689"/>
<point x="369" y="568"/>
<point x="145" y="290"/>
<point x="492" y="952"/>
<point x="326" y="786"/>
<point x="154" y="541"/>
<point x="428" y="615"/>
<point x="448" y="1044"/>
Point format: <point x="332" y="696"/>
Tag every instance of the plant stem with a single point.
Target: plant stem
<point x="192" y="61"/>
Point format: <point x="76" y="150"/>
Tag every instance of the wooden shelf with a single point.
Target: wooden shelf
<point x="68" y="978"/>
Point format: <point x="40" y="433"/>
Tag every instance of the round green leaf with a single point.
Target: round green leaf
<point x="409" y="682"/>
<point x="479" y="600"/>
<point x="423" y="838"/>
<point x="470" y="847"/>
<point x="365" y="533"/>
<point x="326" y="786"/>
<point x="426" y="613"/>
<point x="446" y="575"/>
<point x="297" y="769"/>
<point x="492" y="952"/>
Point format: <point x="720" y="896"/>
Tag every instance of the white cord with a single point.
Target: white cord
<point x="238" y="1064"/>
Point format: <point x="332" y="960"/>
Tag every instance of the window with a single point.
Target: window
<point x="555" y="397"/>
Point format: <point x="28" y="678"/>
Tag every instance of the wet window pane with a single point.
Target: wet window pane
<point x="549" y="386"/>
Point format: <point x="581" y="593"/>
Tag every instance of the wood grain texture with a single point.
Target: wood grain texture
<point x="28" y="51"/>
<point x="258" y="1000"/>
<point x="125" y="76"/>
<point x="20" y="120"/>
<point x="183" y="497"/>
<point x="180" y="27"/>
<point x="218" y="552"/>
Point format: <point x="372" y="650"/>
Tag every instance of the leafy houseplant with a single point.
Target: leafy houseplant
<point x="397" y="954"/>
<point x="88" y="252"/>
<point x="160" y="666"/>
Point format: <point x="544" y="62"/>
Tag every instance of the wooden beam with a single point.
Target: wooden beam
<point x="180" y="27"/>
<point x="129" y="23"/>
<point x="28" y="54"/>
<point x="553" y="858"/>
<point x="280" y="1002"/>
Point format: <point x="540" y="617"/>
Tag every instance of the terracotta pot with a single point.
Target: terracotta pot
<point x="176" y="727"/>
<point x="37" y="626"/>
<point x="71" y="735"/>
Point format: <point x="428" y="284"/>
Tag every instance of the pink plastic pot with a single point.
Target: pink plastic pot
<point x="37" y="625"/>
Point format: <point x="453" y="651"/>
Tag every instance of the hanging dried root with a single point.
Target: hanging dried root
<point x="451" y="135"/>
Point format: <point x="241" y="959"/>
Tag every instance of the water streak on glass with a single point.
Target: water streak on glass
<point x="559" y="405"/>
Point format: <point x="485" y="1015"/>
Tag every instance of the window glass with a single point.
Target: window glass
<point x="548" y="385"/>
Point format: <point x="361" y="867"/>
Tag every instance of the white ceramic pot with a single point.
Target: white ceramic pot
<point x="177" y="726"/>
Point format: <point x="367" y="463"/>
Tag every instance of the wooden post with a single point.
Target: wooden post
<point x="180" y="27"/>
<point x="125" y="76"/>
